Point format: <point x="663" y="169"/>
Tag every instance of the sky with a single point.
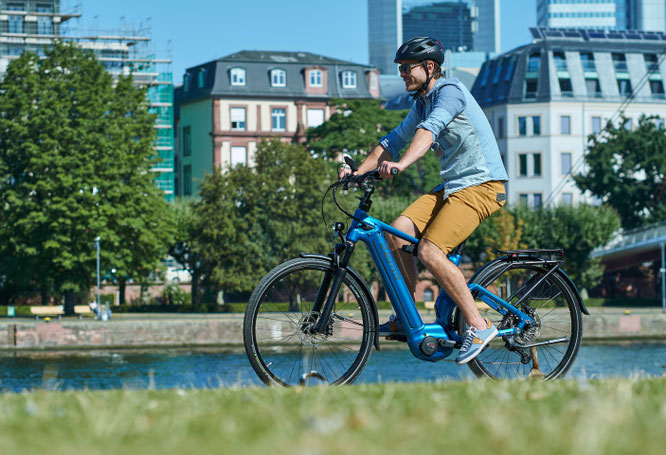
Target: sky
<point x="198" y="31"/>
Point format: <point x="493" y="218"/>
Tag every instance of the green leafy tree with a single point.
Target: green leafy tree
<point x="627" y="169"/>
<point x="501" y="231"/>
<point x="578" y="230"/>
<point x="248" y="220"/>
<point x="75" y="159"/>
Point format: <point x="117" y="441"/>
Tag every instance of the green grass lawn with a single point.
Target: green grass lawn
<point x="470" y="417"/>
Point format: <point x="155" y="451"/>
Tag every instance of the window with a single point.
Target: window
<point x="537" y="198"/>
<point x="565" y="124"/>
<point x="567" y="199"/>
<point x="237" y="76"/>
<point x="522" y="126"/>
<point x="596" y="125"/>
<point x="44" y="23"/>
<point x="278" y="78"/>
<point x="593" y="87"/>
<point x="201" y="81"/>
<point x="348" y="79"/>
<point x="531" y="86"/>
<point x="238" y="155"/>
<point x="509" y="70"/>
<point x="536" y="125"/>
<point x="238" y="118"/>
<point x="523" y="199"/>
<point x="624" y="86"/>
<point x="500" y="127"/>
<point x="587" y="59"/>
<point x="533" y="63"/>
<point x="279" y="117"/>
<point x="315" y="117"/>
<point x="316" y="79"/>
<point x="186" y="82"/>
<point x="373" y="81"/>
<point x="428" y="295"/>
<point x="560" y="61"/>
<point x="657" y="88"/>
<point x="15" y="22"/>
<point x="498" y="71"/>
<point x="565" y="162"/>
<point x="565" y="87"/>
<point x="651" y="62"/>
<point x="187" y="180"/>
<point x="620" y="63"/>
<point x="187" y="141"/>
<point x="529" y="165"/>
<point x="522" y="165"/>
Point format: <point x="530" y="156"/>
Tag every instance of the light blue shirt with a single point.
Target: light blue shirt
<point x="459" y="129"/>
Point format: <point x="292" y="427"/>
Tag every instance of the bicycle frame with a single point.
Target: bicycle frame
<point x="371" y="231"/>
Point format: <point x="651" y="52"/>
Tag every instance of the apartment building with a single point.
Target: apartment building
<point x="544" y="99"/>
<point x="226" y="106"/>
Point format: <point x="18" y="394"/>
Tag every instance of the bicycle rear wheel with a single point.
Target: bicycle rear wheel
<point x="278" y="318"/>
<point x="544" y="350"/>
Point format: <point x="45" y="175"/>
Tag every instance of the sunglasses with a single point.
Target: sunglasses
<point x="407" y="67"/>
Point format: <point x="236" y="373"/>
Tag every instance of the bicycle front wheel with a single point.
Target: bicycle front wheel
<point x="544" y="350"/>
<point x="278" y="320"/>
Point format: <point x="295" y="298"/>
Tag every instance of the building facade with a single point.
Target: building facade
<point x="384" y="33"/>
<point x="648" y="15"/>
<point x="544" y="99"/>
<point x="451" y="23"/>
<point x="33" y="25"/>
<point x="225" y="107"/>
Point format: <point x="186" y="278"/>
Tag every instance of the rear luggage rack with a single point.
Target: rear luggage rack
<point x="549" y="254"/>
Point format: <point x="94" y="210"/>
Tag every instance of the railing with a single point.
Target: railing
<point x="589" y="66"/>
<point x="627" y="239"/>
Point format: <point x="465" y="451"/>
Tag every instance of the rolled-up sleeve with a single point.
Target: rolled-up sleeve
<point x="401" y="135"/>
<point x="450" y="102"/>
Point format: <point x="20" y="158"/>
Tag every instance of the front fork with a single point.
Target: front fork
<point x="330" y="286"/>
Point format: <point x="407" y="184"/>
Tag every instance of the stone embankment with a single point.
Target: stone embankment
<point x="226" y="330"/>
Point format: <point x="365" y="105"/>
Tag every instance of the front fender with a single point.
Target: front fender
<point x="364" y="287"/>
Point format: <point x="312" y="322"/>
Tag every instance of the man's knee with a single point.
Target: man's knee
<point x="430" y="254"/>
<point x="404" y="224"/>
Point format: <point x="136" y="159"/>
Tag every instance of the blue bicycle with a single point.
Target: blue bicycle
<point x="313" y="320"/>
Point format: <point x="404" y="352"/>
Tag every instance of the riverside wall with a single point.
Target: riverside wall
<point x="226" y="330"/>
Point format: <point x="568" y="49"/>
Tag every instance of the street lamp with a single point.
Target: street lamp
<point x="98" y="288"/>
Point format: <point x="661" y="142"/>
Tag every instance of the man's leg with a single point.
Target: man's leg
<point x="406" y="261"/>
<point x="451" y="279"/>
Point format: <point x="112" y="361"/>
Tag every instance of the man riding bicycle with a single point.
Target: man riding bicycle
<point x="446" y="118"/>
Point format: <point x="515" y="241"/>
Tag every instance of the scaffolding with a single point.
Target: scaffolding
<point x="33" y="25"/>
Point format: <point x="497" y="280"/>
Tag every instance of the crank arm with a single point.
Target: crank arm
<point x="543" y="343"/>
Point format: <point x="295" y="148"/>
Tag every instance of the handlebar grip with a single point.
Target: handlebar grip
<point x="394" y="171"/>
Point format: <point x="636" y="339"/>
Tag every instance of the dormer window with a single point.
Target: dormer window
<point x="316" y="79"/>
<point x="186" y="82"/>
<point x="278" y="78"/>
<point x="373" y="81"/>
<point x="201" y="78"/>
<point x="349" y="79"/>
<point x="237" y="76"/>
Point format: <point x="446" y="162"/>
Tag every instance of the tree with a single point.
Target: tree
<point x="248" y="220"/>
<point x="626" y="169"/>
<point x="578" y="230"/>
<point x="75" y="159"/>
<point x="501" y="231"/>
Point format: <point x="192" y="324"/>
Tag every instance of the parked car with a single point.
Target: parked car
<point x="176" y="272"/>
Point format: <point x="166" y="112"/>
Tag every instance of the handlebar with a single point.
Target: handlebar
<point x="361" y="179"/>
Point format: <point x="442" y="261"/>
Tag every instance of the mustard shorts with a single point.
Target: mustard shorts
<point x="448" y="222"/>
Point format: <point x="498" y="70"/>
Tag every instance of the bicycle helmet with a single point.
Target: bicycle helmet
<point x="421" y="49"/>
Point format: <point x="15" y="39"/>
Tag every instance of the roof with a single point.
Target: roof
<point x="504" y="78"/>
<point x="282" y="57"/>
<point x="257" y="65"/>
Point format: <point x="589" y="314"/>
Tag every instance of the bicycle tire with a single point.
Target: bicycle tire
<point x="280" y="351"/>
<point x="554" y="305"/>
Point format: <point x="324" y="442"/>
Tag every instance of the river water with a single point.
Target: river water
<point x="211" y="367"/>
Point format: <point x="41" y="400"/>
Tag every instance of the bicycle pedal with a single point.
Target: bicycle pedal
<point x="445" y="343"/>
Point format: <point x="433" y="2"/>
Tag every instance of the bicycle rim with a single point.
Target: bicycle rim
<point x="281" y="350"/>
<point x="551" y="344"/>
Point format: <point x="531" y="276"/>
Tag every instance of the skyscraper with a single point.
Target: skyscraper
<point x="451" y="23"/>
<point x="487" y="34"/>
<point x="648" y="15"/>
<point x="384" y="33"/>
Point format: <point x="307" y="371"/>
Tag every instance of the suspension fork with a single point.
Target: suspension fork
<point x="330" y="286"/>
